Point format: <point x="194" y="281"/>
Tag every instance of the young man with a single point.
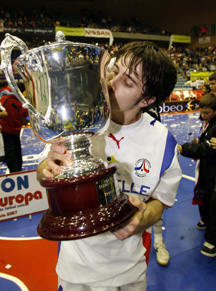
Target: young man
<point x="11" y="121"/>
<point x="146" y="154"/>
<point x="204" y="192"/>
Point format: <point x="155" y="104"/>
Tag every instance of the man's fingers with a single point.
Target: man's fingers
<point x="51" y="165"/>
<point x="137" y="203"/>
<point x="59" y="153"/>
<point x="47" y="174"/>
<point x="125" y="232"/>
<point x="58" y="148"/>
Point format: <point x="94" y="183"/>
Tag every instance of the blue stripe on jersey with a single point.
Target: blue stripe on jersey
<point x="59" y="246"/>
<point x="153" y="122"/>
<point x="168" y="153"/>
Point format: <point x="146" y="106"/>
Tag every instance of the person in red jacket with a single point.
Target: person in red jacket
<point x="11" y="121"/>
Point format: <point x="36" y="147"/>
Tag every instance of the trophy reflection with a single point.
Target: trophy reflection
<point x="67" y="100"/>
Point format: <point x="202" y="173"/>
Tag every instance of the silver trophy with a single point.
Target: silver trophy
<point x="67" y="99"/>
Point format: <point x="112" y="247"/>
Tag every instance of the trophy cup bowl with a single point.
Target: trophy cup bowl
<point x="68" y="101"/>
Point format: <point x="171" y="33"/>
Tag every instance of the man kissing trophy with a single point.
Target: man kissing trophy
<point x="65" y="83"/>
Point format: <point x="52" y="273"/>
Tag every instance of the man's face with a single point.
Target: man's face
<point x="207" y="114"/>
<point x="125" y="88"/>
<point x="213" y="86"/>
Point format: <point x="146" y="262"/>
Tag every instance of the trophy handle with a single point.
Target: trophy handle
<point x="8" y="44"/>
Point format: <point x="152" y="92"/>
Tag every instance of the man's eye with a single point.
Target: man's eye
<point x="128" y="84"/>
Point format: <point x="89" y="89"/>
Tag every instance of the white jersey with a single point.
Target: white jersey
<point x="146" y="155"/>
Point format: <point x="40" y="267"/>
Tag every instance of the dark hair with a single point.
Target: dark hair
<point x="212" y="77"/>
<point x="207" y="87"/>
<point x="21" y="86"/>
<point x="208" y="101"/>
<point x="158" y="72"/>
<point x="3" y="83"/>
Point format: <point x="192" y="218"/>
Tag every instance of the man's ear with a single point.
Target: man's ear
<point x="146" y="102"/>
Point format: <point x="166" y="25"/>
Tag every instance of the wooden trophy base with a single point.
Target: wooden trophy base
<point x="84" y="206"/>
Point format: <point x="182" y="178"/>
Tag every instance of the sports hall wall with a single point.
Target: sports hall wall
<point x="175" y="16"/>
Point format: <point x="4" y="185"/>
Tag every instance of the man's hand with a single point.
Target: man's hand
<point x="213" y="142"/>
<point x="58" y="156"/>
<point x="134" y="223"/>
<point x="147" y="214"/>
<point x="3" y="114"/>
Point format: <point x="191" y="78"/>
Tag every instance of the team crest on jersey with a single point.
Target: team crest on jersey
<point x="142" y="167"/>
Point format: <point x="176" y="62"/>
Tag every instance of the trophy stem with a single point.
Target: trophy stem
<point x="83" y="162"/>
<point x="79" y="144"/>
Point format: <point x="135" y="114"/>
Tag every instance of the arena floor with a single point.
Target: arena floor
<point x="27" y="262"/>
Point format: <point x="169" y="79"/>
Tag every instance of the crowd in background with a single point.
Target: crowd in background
<point x="186" y="60"/>
<point x="46" y="18"/>
<point x="199" y="60"/>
